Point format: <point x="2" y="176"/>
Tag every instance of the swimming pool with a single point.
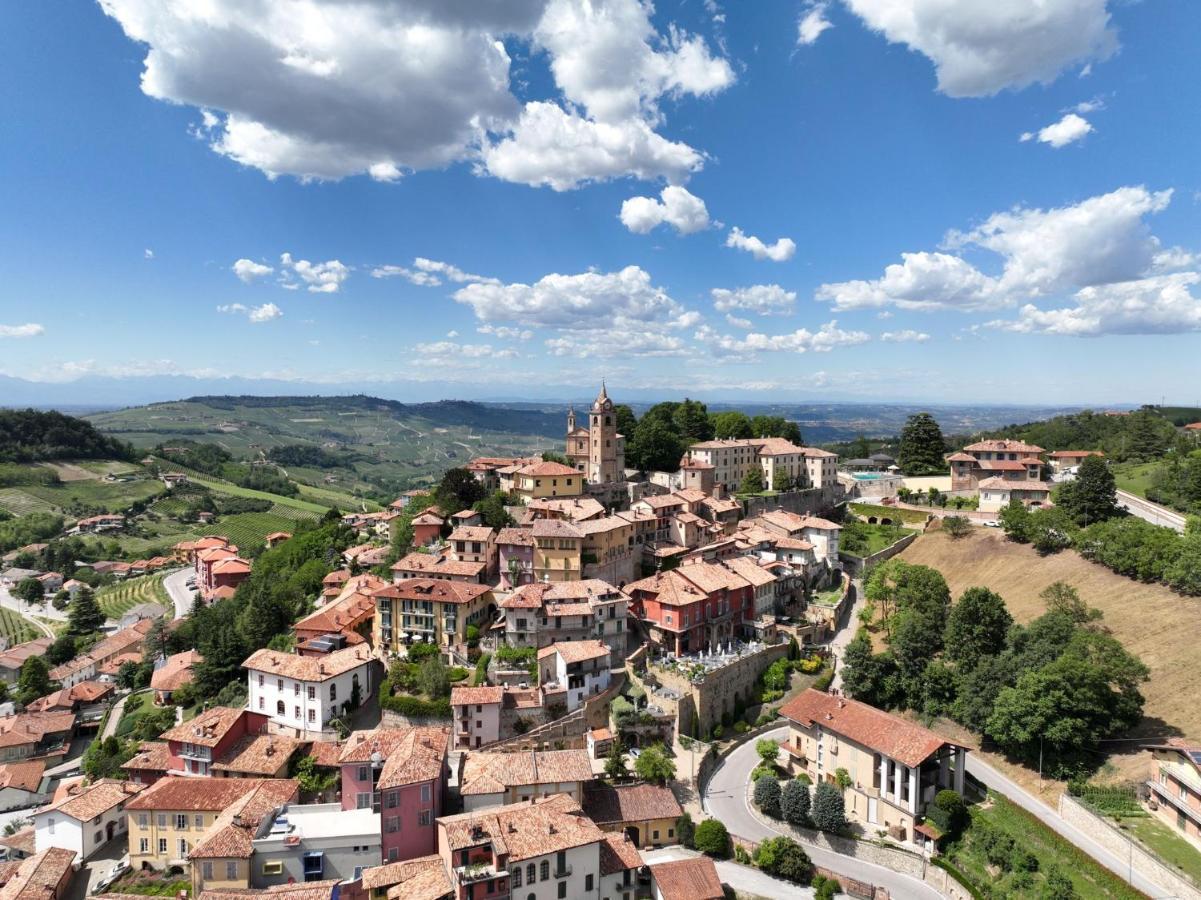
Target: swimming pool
<point x="867" y="476"/>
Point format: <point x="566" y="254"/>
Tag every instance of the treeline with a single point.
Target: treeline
<point x="276" y="594"/>
<point x="658" y="439"/>
<point x="1176" y="482"/>
<point x="34" y="528"/>
<point x="212" y="459"/>
<point x="30" y="435"/>
<point x="1054" y="688"/>
<point x="307" y="455"/>
<point x="1086" y="516"/>
<point x="1143" y="434"/>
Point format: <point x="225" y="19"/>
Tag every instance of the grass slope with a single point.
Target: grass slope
<point x="16" y="628"/>
<point x="1161" y="627"/>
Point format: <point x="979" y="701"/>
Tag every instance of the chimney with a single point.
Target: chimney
<point x="830" y="715"/>
<point x="841" y="703"/>
<point x="551" y="828"/>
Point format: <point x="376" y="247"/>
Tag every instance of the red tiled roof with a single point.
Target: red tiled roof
<point x="607" y="804"/>
<point x="688" y="879"/>
<point x="865" y="725"/>
<point x="208" y="794"/>
<point x="482" y="694"/>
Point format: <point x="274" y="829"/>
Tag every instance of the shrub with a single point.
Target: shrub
<point x="416" y="707"/>
<point x="767" y="795"/>
<point x="823" y="680"/>
<point x="741" y="856"/>
<point x="825" y="888"/>
<point x="768" y="750"/>
<point x="457" y="674"/>
<point x="810" y="665"/>
<point x="686" y="831"/>
<point x="717" y="732"/>
<point x="777" y="675"/>
<point x="762" y="771"/>
<point x="948" y="812"/>
<point x="784" y="858"/>
<point x="828" y="809"/>
<point x="794" y="803"/>
<point x="712" y="838"/>
<point x="740" y="727"/>
<point x="770" y="696"/>
<point x="420" y="651"/>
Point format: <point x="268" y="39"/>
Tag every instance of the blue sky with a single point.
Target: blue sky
<point x="495" y="198"/>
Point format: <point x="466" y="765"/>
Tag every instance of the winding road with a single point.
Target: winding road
<point x="726" y="798"/>
<point x="179" y="592"/>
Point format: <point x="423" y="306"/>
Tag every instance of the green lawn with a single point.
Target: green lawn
<point x="1091" y="881"/>
<point x="1166" y="843"/>
<point x="878" y="537"/>
<point x="1134" y="477"/>
<point x="16" y="628"/>
<point x="117" y="599"/>
<point x="828" y="598"/>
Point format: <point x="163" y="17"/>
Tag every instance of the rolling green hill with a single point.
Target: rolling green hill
<point x="354" y="445"/>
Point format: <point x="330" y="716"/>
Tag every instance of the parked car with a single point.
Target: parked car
<point x="992" y="523"/>
<point x="118" y="869"/>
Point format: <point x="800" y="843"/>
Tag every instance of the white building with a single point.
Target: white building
<point x="302" y="694"/>
<point x="777" y="459"/>
<point x="579" y="667"/>
<point x="86" y="819"/>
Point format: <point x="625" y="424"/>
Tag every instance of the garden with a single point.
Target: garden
<point x="419" y="685"/>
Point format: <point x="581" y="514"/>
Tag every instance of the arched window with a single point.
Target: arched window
<point x="279" y="707"/>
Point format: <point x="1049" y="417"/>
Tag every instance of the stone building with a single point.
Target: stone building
<point x="597" y="450"/>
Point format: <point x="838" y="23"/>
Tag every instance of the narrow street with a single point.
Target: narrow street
<point x="177" y="589"/>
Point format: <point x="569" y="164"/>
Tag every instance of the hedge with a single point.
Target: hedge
<point x="416" y="707"/>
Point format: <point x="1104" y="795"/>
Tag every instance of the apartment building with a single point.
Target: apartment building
<point x="896" y="767"/>
<point x="301" y="695"/>
<point x="581" y="668"/>
<point x="474" y="544"/>
<point x="558" y="548"/>
<point x="428" y="609"/>
<point x="1009" y="459"/>
<point x="1174" y="788"/>
<point x="781" y="463"/>
<point x="475" y="712"/>
<point x="696" y="607"/>
<point x="547" y="479"/>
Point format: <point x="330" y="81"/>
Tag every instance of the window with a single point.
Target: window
<point x="560" y="863"/>
<point x="279" y="684"/>
<point x="362" y="800"/>
<point x="562" y="890"/>
<point x="363" y="776"/>
<point x="393" y="799"/>
<point x="544" y="870"/>
<point x="162" y="820"/>
<point x="655" y="836"/>
<point x="333" y="691"/>
<point x="393" y="854"/>
<point x="206" y="871"/>
<point x="260" y="702"/>
<point x="517" y="876"/>
<point x="587" y="882"/>
<point x="393" y="824"/>
<point x="274" y="867"/>
<point x="531" y="873"/>
<point x="312" y="714"/>
<point x="280" y="709"/>
<point x="312" y="692"/>
<point x="425" y="793"/>
<point x="671" y="832"/>
<point x="181" y="822"/>
<point x="183" y="848"/>
<point x="260" y="680"/>
<point x="162" y="846"/>
<point x="144" y="845"/>
<point x="296" y="688"/>
<point x="199" y="821"/>
<point x="231" y="869"/>
<point x="423" y="817"/>
<point x="143" y="820"/>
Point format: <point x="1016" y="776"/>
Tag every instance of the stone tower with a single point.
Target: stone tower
<point x="606" y="453"/>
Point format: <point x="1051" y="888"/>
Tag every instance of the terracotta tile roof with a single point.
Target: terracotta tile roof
<point x="527" y="596"/>
<point x="545" y="469"/>
<point x="308" y="668"/>
<point x="208" y="729"/>
<point x="1002" y="465"/>
<point x="1004" y="445"/>
<point x="411" y="755"/>
<point x="607" y="804"/>
<point x="617" y="854"/>
<point x="577" y="509"/>
<point x="688" y="879"/>
<point x="427" y="881"/>
<point x="209" y="794"/>
<point x="717" y="506"/>
<point x="13" y="657"/>
<point x="524" y="830"/>
<point x="588" y="589"/>
<point x="713" y="577"/>
<point x="521" y="537"/>
<point x="434" y="589"/>
<point x="69" y="698"/>
<point x="492" y="773"/>
<point x="86" y="803"/>
<point x="1075" y="454"/>
<point x="575" y="651"/>
<point x="603" y="524"/>
<point x="336" y="577"/>
<point x="555" y="528"/>
<point x="751" y="570"/>
<point x="568" y="609"/>
<point x="127" y="640"/>
<point x="670" y="588"/>
<point x="480" y="533"/>
<point x="865" y="725"/>
<point x="1014" y="484"/>
<point x="438" y="565"/>
<point x="23" y="840"/>
<point x="232" y="833"/>
<point x="960" y="457"/>
<point x="348" y="612"/>
<point x="177" y="671"/>
<point x="30" y="728"/>
<point x="326" y="753"/>
<point x="258" y="754"/>
<point x="662" y="501"/>
<point x="483" y="694"/>
<point x="779" y="447"/>
<point x="152" y="756"/>
<point x="308" y="890"/>
<point x="39" y="876"/>
<point x="24" y="776"/>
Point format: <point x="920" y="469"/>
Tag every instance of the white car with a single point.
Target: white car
<point x="992" y="523"/>
<point x="118" y="869"/>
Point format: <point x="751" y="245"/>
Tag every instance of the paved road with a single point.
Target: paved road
<point x="742" y="878"/>
<point x="726" y="799"/>
<point x="850" y="625"/>
<point x="114" y="714"/>
<point x="1151" y="512"/>
<point x="181" y="595"/>
<point x="1050" y="817"/>
<point x="8" y="601"/>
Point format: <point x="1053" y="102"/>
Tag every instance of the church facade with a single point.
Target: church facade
<point x="596" y="449"/>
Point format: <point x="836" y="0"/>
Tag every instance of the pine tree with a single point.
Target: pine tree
<point x="85" y="615"/>
<point x="922" y="446"/>
<point x="767" y="796"/>
<point x="795" y="802"/>
<point x="1092" y="496"/>
<point x="829" y="809"/>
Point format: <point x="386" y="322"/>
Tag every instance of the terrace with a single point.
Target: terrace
<point x="697" y="666"/>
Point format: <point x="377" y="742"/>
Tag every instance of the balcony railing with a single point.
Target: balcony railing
<point x="473" y="872"/>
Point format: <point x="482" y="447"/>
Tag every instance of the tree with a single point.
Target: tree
<point x="752" y="482"/>
<point x="922" y="446"/>
<point x="712" y="838"/>
<point x="434" y="678"/>
<point x="784" y="858"/>
<point x="103" y="759"/>
<point x="948" y="812"/>
<point x="312" y="780"/>
<point x="458" y="490"/>
<point x="957" y="526"/>
<point x="492" y="509"/>
<point x="768" y="750"/>
<point x="653" y="764"/>
<point x="85" y="615"/>
<point x="1050" y="530"/>
<point x="976" y="627"/>
<point x="624" y="420"/>
<point x="767" y="795"/>
<point x="1015" y="521"/>
<point x="828" y="809"/>
<point x="794" y="803"/>
<point x="30" y="590"/>
<point x="731" y="424"/>
<point x="62" y="650"/>
<point x="34" y="680"/>
<point x="656" y="445"/>
<point x="1063" y="598"/>
<point x="842" y="778"/>
<point x="615" y="764"/>
<point x="1092" y="495"/>
<point x="1057" y="886"/>
<point x="864" y="673"/>
<point x="686" y="831"/>
<point x="691" y="418"/>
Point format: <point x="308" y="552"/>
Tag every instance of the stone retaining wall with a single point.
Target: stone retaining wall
<point x="1108" y="836"/>
<point x="858" y="565"/>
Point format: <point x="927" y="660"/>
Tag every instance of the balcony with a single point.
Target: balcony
<point x="562" y="871"/>
<point x="479" y="871"/>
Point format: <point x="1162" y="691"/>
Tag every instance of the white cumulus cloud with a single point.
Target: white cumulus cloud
<point x="683" y="211"/>
<point x="317" y="277"/>
<point x="1163" y="304"/>
<point x="980" y="47"/>
<point x="763" y="299"/>
<point x="264" y="313"/>
<point x="826" y="338"/>
<point x="1067" y="130"/>
<point x="430" y="273"/>
<point x="780" y="251"/>
<point x="450" y="351"/>
<point x="905" y="336"/>
<point x="812" y="23"/>
<point x="248" y="270"/>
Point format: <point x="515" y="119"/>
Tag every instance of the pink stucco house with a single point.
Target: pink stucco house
<point x="515" y="551"/>
<point x="401" y="773"/>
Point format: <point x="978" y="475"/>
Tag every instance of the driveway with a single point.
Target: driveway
<point x="181" y="595"/>
<point x="846" y="632"/>
<point x="726" y="799"/>
<point x="744" y="879"/>
<point x="97" y="866"/>
<point x="1118" y="864"/>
